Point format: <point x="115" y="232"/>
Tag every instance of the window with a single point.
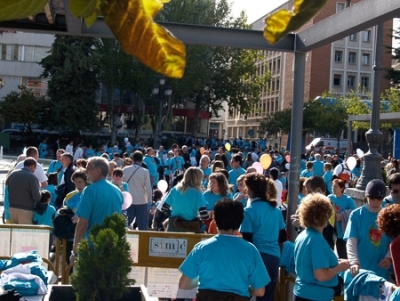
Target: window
<point x="365" y="59"/>
<point x="365" y="82"/>
<point x="352" y="57"/>
<point x="366" y="36"/>
<point x="350" y="81"/>
<point x="338" y="56"/>
<point x="10" y="52"/>
<point x="353" y="37"/>
<point x="337" y="78"/>
<point x="340" y="6"/>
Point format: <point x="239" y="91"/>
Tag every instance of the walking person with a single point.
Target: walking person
<point x="263" y="226"/>
<point x="138" y="179"/>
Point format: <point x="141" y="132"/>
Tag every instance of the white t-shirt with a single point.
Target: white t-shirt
<point x="279" y="189"/>
<point x="78" y="153"/>
<point x="69" y="149"/>
<point x="39" y="172"/>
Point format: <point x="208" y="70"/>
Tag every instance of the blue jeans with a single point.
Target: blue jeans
<point x="272" y="265"/>
<point x="141" y="212"/>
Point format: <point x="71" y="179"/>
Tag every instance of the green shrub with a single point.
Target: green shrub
<point x="104" y="262"/>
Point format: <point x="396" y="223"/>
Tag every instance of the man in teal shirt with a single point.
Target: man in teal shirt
<point x="99" y="200"/>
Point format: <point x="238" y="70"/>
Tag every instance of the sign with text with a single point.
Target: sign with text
<point x="167" y="247"/>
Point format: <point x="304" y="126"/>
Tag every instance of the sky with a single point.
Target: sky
<point x="255" y="9"/>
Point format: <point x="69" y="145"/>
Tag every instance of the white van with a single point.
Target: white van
<point x="330" y="144"/>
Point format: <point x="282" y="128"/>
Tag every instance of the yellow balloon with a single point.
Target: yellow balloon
<point x="228" y="146"/>
<point x="202" y="150"/>
<point x="265" y="161"/>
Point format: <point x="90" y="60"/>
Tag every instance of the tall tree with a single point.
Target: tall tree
<point x="23" y="107"/>
<point x="72" y="69"/>
<point x="214" y="75"/>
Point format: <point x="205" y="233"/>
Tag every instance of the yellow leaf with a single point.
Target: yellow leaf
<point x="19" y="9"/>
<point x="283" y="21"/>
<point x="131" y="21"/>
<point x="88" y="9"/>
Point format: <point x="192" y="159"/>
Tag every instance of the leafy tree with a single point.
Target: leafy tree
<point x="279" y="121"/>
<point x="214" y="75"/>
<point x="23" y="107"/>
<point x="72" y="69"/>
<point x="392" y="74"/>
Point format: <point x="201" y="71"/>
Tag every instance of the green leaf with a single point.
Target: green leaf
<point x="20" y="9"/>
<point x="83" y="8"/>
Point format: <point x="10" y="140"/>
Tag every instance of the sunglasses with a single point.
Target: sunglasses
<point x="394" y="191"/>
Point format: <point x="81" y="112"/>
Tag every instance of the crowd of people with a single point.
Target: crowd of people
<point x="220" y="190"/>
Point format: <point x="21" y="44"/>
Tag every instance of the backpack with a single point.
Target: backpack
<point x="64" y="228"/>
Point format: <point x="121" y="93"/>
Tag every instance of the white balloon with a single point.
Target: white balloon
<point x="287" y="166"/>
<point x="162" y="185"/>
<point x="258" y="167"/>
<point x="360" y="153"/>
<point x="126" y="139"/>
<point x="351" y="162"/>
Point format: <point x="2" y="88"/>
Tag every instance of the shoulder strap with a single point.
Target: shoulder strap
<point x="132" y="174"/>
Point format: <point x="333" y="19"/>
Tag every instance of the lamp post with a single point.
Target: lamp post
<point x="162" y="91"/>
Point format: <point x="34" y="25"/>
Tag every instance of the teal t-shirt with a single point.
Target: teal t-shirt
<point x="211" y="198"/>
<point x="265" y="222"/>
<point x="312" y="252"/>
<point x="151" y="165"/>
<point x="243" y="200"/>
<point x="373" y="244"/>
<point x="306" y="173"/>
<point x="328" y="180"/>
<point x="46" y="218"/>
<point x="185" y="204"/>
<point x="99" y="200"/>
<point x="234" y="174"/>
<point x="345" y="202"/>
<point x="206" y="174"/>
<point x="225" y="271"/>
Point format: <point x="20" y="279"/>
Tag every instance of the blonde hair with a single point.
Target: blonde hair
<point x="315" y="210"/>
<point x="191" y="179"/>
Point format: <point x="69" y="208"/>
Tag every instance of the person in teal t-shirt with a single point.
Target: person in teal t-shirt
<point x="237" y="170"/>
<point x="367" y="246"/>
<point x="218" y="272"/>
<point x="217" y="189"/>
<point x="44" y="213"/>
<point x="263" y="225"/>
<point x="99" y="200"/>
<point x="316" y="264"/>
<point x="343" y="205"/>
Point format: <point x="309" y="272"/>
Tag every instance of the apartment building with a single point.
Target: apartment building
<point x="19" y="56"/>
<point x="339" y="67"/>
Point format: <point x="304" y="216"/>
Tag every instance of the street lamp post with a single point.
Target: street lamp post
<point x="161" y="91"/>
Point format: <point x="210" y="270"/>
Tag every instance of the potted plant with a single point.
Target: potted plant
<point x="102" y="267"/>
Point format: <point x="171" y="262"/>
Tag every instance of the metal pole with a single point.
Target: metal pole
<point x="159" y="125"/>
<point x="295" y="138"/>
<point x="374" y="137"/>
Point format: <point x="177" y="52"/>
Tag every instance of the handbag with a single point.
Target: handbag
<point x="193" y="225"/>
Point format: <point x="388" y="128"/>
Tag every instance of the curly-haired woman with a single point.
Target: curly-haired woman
<point x="316" y="264"/>
<point x="389" y="223"/>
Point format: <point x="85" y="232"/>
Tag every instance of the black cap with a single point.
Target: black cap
<point x="376" y="189"/>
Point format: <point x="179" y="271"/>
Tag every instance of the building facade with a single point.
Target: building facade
<point x="19" y="56"/>
<point x="340" y="67"/>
